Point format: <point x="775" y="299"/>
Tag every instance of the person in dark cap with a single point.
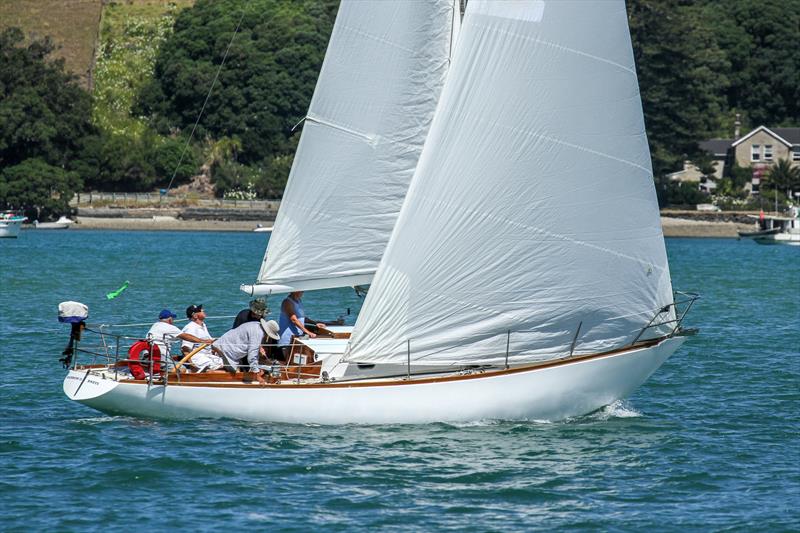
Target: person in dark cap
<point x="164" y="332"/>
<point x="205" y="359"/>
<point x="254" y="313"/>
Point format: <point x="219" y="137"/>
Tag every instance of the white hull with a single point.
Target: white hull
<point x="61" y="223"/>
<point x="10" y="228"/>
<point x="546" y="393"/>
<point x="792" y="239"/>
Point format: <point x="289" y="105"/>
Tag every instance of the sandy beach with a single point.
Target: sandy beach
<point x="673" y="227"/>
<point x="685" y="227"/>
<point x="167" y="224"/>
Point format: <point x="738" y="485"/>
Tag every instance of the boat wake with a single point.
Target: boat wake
<point x="618" y="409"/>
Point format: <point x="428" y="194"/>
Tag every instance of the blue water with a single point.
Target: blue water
<point x="711" y="442"/>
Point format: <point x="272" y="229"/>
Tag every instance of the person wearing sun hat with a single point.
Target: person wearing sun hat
<point x="254" y="312"/>
<point x="240" y="347"/>
<point x="164" y="332"/>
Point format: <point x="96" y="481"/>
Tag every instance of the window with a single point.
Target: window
<point x="796" y="153"/>
<point x="767" y="152"/>
<point x="755" y="152"/>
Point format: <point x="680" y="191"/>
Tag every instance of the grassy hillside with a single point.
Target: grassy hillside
<point x="72" y="24"/>
<point x="130" y="34"/>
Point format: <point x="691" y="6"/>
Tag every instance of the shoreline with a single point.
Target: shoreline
<point x="672" y="226"/>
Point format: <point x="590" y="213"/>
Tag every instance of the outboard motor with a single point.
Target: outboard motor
<point x="74" y="313"/>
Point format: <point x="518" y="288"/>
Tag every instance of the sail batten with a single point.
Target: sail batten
<point x="364" y="131"/>
<point x="531" y="227"/>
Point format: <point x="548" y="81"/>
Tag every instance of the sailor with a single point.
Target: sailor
<point x="241" y="347"/>
<point x="164" y="332"/>
<point x="254" y="313"/>
<point x="205" y="359"/>
<point x="293" y="319"/>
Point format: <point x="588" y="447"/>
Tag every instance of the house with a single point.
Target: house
<point x="758" y="149"/>
<point x="763" y="147"/>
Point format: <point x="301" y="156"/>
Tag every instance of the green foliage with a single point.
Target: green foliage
<point x="760" y="39"/>
<point x="784" y="177"/>
<point x="681" y="77"/>
<point x="43" y="126"/>
<point x="263" y="89"/>
<point x="34" y="184"/>
<point x="739" y="177"/>
<point x="680" y="193"/>
<point x="43" y="112"/>
<point x="131" y="164"/>
<point x="126" y="55"/>
<point x="166" y="155"/>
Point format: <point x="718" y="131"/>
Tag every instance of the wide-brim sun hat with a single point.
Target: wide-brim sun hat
<point x="270" y="327"/>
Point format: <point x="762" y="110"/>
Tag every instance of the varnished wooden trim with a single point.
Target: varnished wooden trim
<point x="399" y="381"/>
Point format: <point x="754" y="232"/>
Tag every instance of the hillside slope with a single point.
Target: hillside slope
<point x="72" y="24"/>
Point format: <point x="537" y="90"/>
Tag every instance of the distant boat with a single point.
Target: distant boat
<point x="775" y="229"/>
<point x="62" y="223"/>
<point x="10" y="224"/>
<point x="262" y="229"/>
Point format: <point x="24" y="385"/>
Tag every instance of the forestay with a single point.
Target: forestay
<point x="532" y="210"/>
<point x="374" y="101"/>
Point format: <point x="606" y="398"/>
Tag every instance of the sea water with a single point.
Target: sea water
<point x="710" y="442"/>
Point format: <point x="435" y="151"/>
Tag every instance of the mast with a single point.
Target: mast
<point x="531" y="228"/>
<point x="374" y="101"/>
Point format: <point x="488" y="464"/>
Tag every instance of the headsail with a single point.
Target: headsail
<point x="374" y="101"/>
<point x="532" y="210"/>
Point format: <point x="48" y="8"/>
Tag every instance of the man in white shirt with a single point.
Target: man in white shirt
<point x="164" y="332"/>
<point x="205" y="359"/>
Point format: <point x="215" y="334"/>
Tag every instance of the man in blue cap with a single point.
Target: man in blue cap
<point x="163" y="332"/>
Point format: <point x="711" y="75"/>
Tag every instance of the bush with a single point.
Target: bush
<point x="38" y="188"/>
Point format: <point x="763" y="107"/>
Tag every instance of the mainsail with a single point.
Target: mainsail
<point x="373" y="105"/>
<point x="531" y="222"/>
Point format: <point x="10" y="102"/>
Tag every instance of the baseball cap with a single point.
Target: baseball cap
<point x="192" y="309"/>
<point x="166" y="313"/>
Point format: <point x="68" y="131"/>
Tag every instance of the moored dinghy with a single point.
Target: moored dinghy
<point x="526" y="277"/>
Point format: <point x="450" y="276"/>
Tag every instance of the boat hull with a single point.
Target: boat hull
<point x="552" y="392"/>
<point x="792" y="239"/>
<point x="11" y="228"/>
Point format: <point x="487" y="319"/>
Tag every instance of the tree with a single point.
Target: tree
<point x="784" y="177"/>
<point x="265" y="85"/>
<point x="759" y="38"/>
<point x="43" y="112"/>
<point x="681" y="74"/>
<point x="44" y="123"/>
<point x="38" y="188"/>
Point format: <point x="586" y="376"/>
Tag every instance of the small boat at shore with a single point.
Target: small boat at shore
<point x="63" y="222"/>
<point x="11" y="224"/>
<point x="773" y="229"/>
<point x="489" y="297"/>
<point x="262" y="229"/>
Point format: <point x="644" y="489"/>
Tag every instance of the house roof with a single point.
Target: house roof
<point x="794" y="133"/>
<point x="717" y="147"/>
<point x="790" y="134"/>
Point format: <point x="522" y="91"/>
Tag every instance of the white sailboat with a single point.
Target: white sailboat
<point x="526" y="275"/>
